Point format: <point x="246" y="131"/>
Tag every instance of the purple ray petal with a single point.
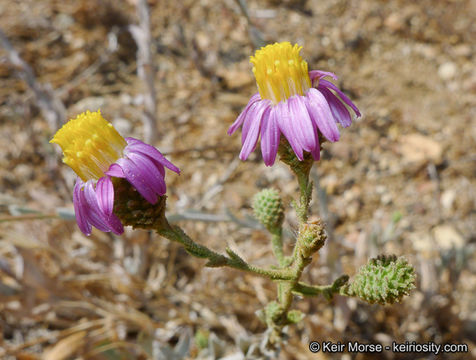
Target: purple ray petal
<point x="316" y="152"/>
<point x="149" y="172"/>
<point x="115" y="224"/>
<point x="131" y="171"/>
<point x="135" y="145"/>
<point x="344" y="98"/>
<point x="321" y="115"/>
<point x="251" y="129"/>
<point x="80" y="208"/>
<point x="255" y="112"/>
<point x="338" y="109"/>
<point x="115" y="171"/>
<point x="318" y="74"/>
<point x="303" y="126"/>
<point x="270" y="135"/>
<point x="239" y="120"/>
<point x="94" y="215"/>
<point x="286" y="126"/>
<point x="105" y="195"/>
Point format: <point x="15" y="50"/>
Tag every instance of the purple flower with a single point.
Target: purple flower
<point x="293" y="102"/>
<point x="96" y="152"/>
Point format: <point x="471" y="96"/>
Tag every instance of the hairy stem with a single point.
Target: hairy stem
<point x="327" y="291"/>
<point x="176" y="234"/>
<point x="277" y="245"/>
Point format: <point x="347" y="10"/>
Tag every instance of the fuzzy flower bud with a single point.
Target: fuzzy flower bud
<point x="268" y="209"/>
<point x="383" y="280"/>
<point x="312" y="237"/>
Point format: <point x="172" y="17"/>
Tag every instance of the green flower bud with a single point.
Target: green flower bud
<point x="201" y="338"/>
<point x="312" y="237"/>
<point x="383" y="280"/>
<point x="295" y="316"/>
<point x="268" y="209"/>
<point x="132" y="209"/>
<point x="273" y="312"/>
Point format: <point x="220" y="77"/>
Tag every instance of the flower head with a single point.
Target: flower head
<point x="97" y="152"/>
<point x="291" y="101"/>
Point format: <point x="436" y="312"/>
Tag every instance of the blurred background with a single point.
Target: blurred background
<point x="401" y="179"/>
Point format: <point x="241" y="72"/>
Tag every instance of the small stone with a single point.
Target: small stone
<point x="463" y="50"/>
<point x="386" y="199"/>
<point x="423" y="244"/>
<point x="352" y="210"/>
<point x="123" y="126"/>
<point x="447" y="237"/>
<point x="24" y="171"/>
<point x="235" y="79"/>
<point x="417" y="148"/>
<point x="447" y="70"/>
<point x="395" y="21"/>
<point x="447" y="199"/>
<point x="330" y="183"/>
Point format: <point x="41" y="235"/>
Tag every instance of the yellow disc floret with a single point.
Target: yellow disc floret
<point x="90" y="144"/>
<point x="280" y="72"/>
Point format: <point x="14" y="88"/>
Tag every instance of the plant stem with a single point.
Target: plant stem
<point x="277" y="246"/>
<point x="327" y="291"/>
<point x="305" y="188"/>
<point x="176" y="234"/>
<point x="287" y="292"/>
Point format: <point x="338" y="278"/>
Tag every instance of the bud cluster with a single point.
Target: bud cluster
<point x="268" y="209"/>
<point x="383" y="280"/>
<point x="312" y="237"/>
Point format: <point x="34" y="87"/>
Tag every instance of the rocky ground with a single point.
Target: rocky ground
<point x="401" y="179"/>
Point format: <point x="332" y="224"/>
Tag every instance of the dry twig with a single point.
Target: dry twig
<point x="145" y="69"/>
<point x="50" y="105"/>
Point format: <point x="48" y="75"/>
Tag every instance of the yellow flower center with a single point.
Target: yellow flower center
<point x="280" y="72"/>
<point x="90" y="144"/>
